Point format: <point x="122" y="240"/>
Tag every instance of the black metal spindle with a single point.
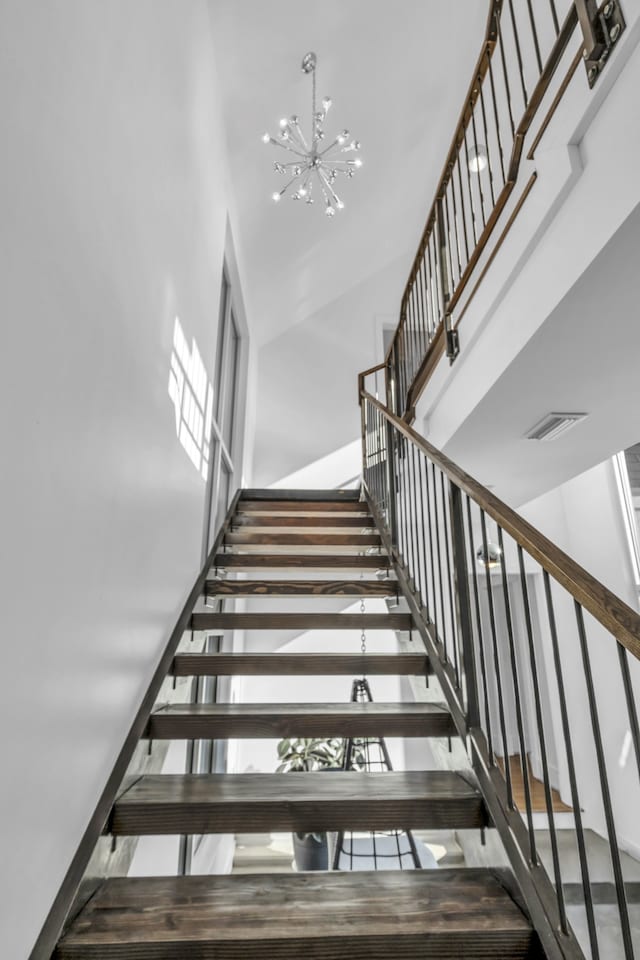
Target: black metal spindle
<point x="516" y="39"/>
<point x="448" y="242"/>
<point x="524" y="763"/>
<point x="434" y="605"/>
<point x="534" y="34"/>
<point x="443" y="620"/>
<point x="417" y="578"/>
<point x="505" y="75"/>
<point x="546" y="779"/>
<point x="571" y="770"/>
<point x="423" y="531"/>
<point x="496" y="659"/>
<point x="632" y="711"/>
<point x="554" y="17"/>
<point x="473" y="566"/>
<point x="478" y="166"/>
<point x="462" y="210"/>
<point x="452" y="615"/>
<point x="424" y="341"/>
<point x="471" y="206"/>
<point x="496" y="118"/>
<point x="486" y="143"/>
<point x="604" y="788"/>
<point x="412" y="504"/>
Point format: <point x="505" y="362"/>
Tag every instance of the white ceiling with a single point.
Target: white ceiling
<point x="584" y="358"/>
<point x="397" y="73"/>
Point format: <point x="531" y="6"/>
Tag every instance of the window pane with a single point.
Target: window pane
<point x="231" y="363"/>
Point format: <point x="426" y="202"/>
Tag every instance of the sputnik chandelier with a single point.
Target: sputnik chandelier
<point x="315" y="165"/>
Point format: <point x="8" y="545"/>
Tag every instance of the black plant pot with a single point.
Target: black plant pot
<point x="310" y="853"/>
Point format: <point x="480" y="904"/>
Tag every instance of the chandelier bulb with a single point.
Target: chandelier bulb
<point x="275" y="197"/>
<point x="330" y="212"/>
<point x="357" y="162"/>
<point x="284" y="123"/>
<point x="266" y="138"/>
<point x="326" y="103"/>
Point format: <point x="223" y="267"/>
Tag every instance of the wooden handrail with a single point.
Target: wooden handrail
<point x="435" y="347"/>
<point x="609" y="610"/>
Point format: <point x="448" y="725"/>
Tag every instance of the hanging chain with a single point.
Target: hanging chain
<point x="313" y="106"/>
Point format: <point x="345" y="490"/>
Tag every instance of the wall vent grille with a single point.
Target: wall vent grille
<point x="553" y="425"/>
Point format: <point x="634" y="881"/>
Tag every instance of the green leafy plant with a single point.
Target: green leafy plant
<point x="297" y="754"/>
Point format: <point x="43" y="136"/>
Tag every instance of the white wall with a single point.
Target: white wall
<point x="113" y="222"/>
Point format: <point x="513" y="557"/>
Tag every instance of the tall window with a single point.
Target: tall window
<point x="223" y="479"/>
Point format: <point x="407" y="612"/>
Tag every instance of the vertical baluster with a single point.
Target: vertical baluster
<point x="554" y="17"/>
<point x="496" y="661"/>
<point x="478" y="171"/>
<point x="471" y="206"/>
<point x="604" y="788"/>
<point x="448" y="232"/>
<point x="517" y="699"/>
<point x="546" y="780"/>
<point x="464" y="216"/>
<point x="486" y="142"/>
<point x="391" y="483"/>
<point x="516" y="38"/>
<point x="454" y="631"/>
<point x="534" y="34"/>
<point x="505" y="76"/>
<point x="465" y="626"/>
<point x="411" y="503"/>
<point x="575" y="797"/>
<point x="423" y="536"/>
<point x="456" y="222"/>
<point x="443" y="620"/>
<point x="496" y="118"/>
<point x="434" y="604"/>
<point x="418" y="578"/>
<point x="435" y="285"/>
<point x="630" y="701"/>
<point x="423" y="305"/>
<point x="476" y="599"/>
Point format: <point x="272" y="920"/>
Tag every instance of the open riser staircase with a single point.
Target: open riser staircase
<point x="289" y="539"/>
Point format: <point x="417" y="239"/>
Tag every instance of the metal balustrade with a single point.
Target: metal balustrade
<point x="538" y="662"/>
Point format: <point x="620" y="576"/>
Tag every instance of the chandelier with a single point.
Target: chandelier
<point x="314" y="165"/>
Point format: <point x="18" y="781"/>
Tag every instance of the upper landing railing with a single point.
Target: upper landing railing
<point x="524" y="45"/>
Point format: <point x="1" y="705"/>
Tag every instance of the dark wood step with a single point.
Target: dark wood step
<point x="327" y="800"/>
<point x="302" y="588"/>
<point x="200" y="721"/>
<point x="299" y="494"/>
<point x="311" y="520"/>
<point x="387" y="915"/>
<point x="302" y="506"/>
<point x="301" y="621"/>
<point x="287" y="561"/>
<point x="355" y="540"/>
<point x="299" y="664"/>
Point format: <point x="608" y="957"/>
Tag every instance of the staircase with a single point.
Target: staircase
<point x="445" y="913"/>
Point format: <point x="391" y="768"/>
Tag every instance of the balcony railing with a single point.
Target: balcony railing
<point x="524" y="44"/>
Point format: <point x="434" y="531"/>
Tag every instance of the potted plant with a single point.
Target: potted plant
<point x="310" y="850"/>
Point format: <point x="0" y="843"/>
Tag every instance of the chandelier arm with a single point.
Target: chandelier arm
<point x="330" y="147"/>
<point x="334" y="195"/>
<point x="285" y="146"/>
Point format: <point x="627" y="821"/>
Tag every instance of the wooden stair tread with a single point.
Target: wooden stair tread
<point x="285" y="561"/>
<point x="197" y="721"/>
<point x="356" y="540"/>
<point x="301" y="621"/>
<point x="302" y="506"/>
<point x="299" y="664"/>
<point x="327" y="800"/>
<point x="302" y="588"/>
<point x="311" y="520"/>
<point x="405" y="915"/>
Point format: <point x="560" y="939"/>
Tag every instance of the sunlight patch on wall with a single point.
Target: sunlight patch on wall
<point x="192" y="396"/>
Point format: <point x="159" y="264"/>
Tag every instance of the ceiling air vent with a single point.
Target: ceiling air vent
<point x="554" y="424"/>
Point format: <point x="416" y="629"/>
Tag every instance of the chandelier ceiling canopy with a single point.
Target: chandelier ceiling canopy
<point x="315" y="166"/>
